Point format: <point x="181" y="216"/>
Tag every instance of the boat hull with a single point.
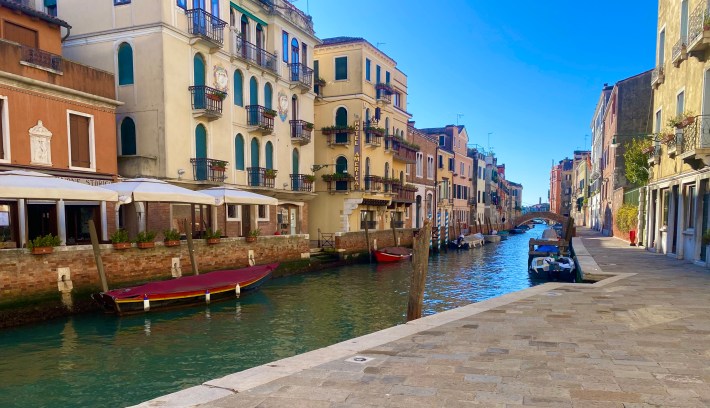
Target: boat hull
<point x="382" y="256"/>
<point x="185" y="291"/>
<point x="548" y="270"/>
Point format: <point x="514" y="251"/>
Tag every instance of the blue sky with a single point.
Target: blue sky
<point x="529" y="72"/>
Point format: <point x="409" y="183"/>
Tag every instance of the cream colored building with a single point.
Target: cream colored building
<point x="676" y="211"/>
<point x="199" y="79"/>
<point x="362" y="154"/>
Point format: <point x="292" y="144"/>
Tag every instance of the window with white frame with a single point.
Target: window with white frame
<point x="234" y="212"/>
<point x="420" y="164"/>
<point x="430" y="167"/>
<point x="81" y="140"/>
<point x="461" y="169"/>
<point x="4" y="130"/>
<point x="262" y="213"/>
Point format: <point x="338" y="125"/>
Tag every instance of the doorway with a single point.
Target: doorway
<point x="41" y="220"/>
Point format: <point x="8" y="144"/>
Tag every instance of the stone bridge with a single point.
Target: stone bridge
<point x="546" y="215"/>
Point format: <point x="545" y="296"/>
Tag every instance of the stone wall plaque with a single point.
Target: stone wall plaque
<point x="40" y="145"/>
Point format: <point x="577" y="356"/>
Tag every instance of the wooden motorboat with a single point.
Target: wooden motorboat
<point x="187" y="290"/>
<point x="393" y="254"/>
<point x="560" y="269"/>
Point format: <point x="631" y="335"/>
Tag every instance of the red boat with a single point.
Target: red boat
<point x="195" y="289"/>
<point x="393" y="254"/>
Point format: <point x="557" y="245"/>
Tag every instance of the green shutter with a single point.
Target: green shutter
<point x="239" y="152"/>
<point x="238" y="88"/>
<point x="341" y="68"/>
<point x="125" y="64"/>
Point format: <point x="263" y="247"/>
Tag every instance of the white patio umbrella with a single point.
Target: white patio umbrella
<point x="21" y="184"/>
<point x="231" y="195"/>
<point x="153" y="190"/>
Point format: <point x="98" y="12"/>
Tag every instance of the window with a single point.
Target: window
<point x="420" y="164"/>
<point x="4" y="131"/>
<point x="262" y="213"/>
<point x="20" y="35"/>
<point x="387" y="77"/>
<point x="657" y="125"/>
<point x="680" y="103"/>
<point x="182" y="4"/>
<point x="442" y="140"/>
<point x="269" y="155"/>
<point x="341" y="68"/>
<point x="367" y="69"/>
<point x="80" y="140"/>
<point x="233" y="213"/>
<point x="239" y="152"/>
<point x="441" y="161"/>
<point x="684" y="21"/>
<point x="451" y="164"/>
<point x="238" y="88"/>
<point x="215" y="8"/>
<point x="115" y="2"/>
<point x="661" y="48"/>
<point x="430" y="167"/>
<point x="461" y="169"/>
<point x="268" y="96"/>
<point x="398" y="99"/>
<point x="50" y="7"/>
<point x="128" y="137"/>
<point x="690" y="196"/>
<point x="284" y="44"/>
<point x="125" y="64"/>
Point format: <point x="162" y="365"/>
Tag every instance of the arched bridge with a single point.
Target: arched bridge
<point x="546" y="215"/>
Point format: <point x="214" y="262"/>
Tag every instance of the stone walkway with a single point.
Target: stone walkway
<point x="639" y="339"/>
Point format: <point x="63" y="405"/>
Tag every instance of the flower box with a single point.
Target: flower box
<point x="270" y="113"/>
<point x="42" y="250"/>
<point x="213" y="241"/>
<point x="171" y="243"/>
<point x="145" y="245"/>
<point x="121" y="245"/>
<point x="249" y="238"/>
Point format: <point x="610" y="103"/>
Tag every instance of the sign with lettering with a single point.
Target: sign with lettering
<point x="91" y="182"/>
<point x="356" y="156"/>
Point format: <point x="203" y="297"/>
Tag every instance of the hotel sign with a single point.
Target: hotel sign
<point x="356" y="156"/>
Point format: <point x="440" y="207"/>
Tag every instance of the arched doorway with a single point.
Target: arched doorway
<point x="253" y="102"/>
<point x="201" y="152"/>
<point x="341" y="120"/>
<point x="295" y="165"/>
<point x="341" y="167"/>
<point x="199" y="81"/>
<point x="255" y="171"/>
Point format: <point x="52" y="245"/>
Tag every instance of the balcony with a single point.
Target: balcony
<point x="403" y="150"/>
<point x="301" y="77"/>
<point x="403" y="193"/>
<point x="205" y="28"/>
<point x="261" y="177"/>
<point x="368" y="225"/>
<point x="694" y="146"/>
<point x="204" y="169"/>
<point x="657" y="77"/>
<point x="698" y="37"/>
<point x="251" y="54"/>
<point x="373" y="183"/>
<point x="339" y="182"/>
<point x="396" y="224"/>
<point x="301" y="132"/>
<point x="384" y="93"/>
<point x="679" y="52"/>
<point x="338" y="135"/>
<point x="206" y="102"/>
<point x="42" y="59"/>
<point x="261" y="118"/>
<point x="373" y="135"/>
<point x="302" y="182"/>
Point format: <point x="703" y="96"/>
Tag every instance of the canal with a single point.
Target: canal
<point x="103" y="360"/>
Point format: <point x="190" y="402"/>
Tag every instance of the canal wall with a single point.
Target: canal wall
<point x="352" y="242"/>
<point x="25" y="278"/>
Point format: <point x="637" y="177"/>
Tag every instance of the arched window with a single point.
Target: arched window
<point x="387" y="170"/>
<point x="368" y="182"/>
<point x="341" y="165"/>
<point x="387" y="126"/>
<point x="245" y="29"/>
<point x="201" y="152"/>
<point x="255" y="174"/>
<point x="125" y="64"/>
<point x="238" y="88"/>
<point x="294" y="51"/>
<point x="268" y="96"/>
<point x="259" y="37"/>
<point x="341" y="120"/>
<point x="198" y="74"/>
<point x="128" y="137"/>
<point x="269" y="155"/>
<point x="294" y="107"/>
<point x="295" y="159"/>
<point x="239" y="152"/>
<point x="253" y="92"/>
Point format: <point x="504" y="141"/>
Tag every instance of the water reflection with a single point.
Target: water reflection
<point x="107" y="360"/>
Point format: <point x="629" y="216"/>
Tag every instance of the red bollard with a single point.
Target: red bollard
<point x="632" y="237"/>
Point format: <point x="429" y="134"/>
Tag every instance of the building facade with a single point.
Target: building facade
<point x="423" y="175"/>
<point x="56" y="117"/>
<point x="215" y="92"/>
<point x="595" y="179"/>
<point x="580" y="188"/>
<point x="478" y="161"/>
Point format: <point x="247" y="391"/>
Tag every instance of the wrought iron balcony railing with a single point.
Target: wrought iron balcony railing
<point x="300" y="75"/>
<point x="373" y="183"/>
<point x="373" y="135"/>
<point x="657" y="76"/>
<point x="368" y="225"/>
<point x="202" y="24"/>
<point x="260" y="117"/>
<point x="209" y="99"/>
<point x="204" y="169"/>
<point x="261" y="177"/>
<point x="396" y="224"/>
<point x="696" y="135"/>
<point x="42" y="58"/>
<point x="696" y="23"/>
<point x="251" y="53"/>
<point x="301" y="182"/>
<point x="679" y="51"/>
<point x="301" y="131"/>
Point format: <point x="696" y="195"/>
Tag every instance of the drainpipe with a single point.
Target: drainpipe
<point x="68" y="32"/>
<point x="642" y="217"/>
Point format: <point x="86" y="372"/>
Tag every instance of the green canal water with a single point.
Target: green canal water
<point x="104" y="360"/>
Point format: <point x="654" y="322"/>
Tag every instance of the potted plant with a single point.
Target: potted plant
<point x="309" y="178"/>
<point x="688" y="118"/>
<point x="269" y="113"/>
<point x="308" y="126"/>
<point x="144" y="239"/>
<point x="320" y="82"/>
<point x="44" y="244"/>
<point x="650" y="149"/>
<point x="251" y="237"/>
<point x="706" y="22"/>
<point x="667" y="138"/>
<point x="171" y="238"/>
<point x="213" y="237"/>
<point x="270" y="173"/>
<point x="5" y="242"/>
<point x="218" y="165"/>
<point x="120" y="239"/>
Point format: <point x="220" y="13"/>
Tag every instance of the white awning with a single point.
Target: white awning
<point x="153" y="190"/>
<point x="231" y="195"/>
<point x="19" y="184"/>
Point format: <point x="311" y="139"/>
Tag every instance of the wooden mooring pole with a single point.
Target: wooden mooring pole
<point x="97" y="254"/>
<point x="190" y="248"/>
<point x="419" y="271"/>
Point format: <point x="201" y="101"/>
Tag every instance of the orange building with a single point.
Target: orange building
<point x="56" y="117"/>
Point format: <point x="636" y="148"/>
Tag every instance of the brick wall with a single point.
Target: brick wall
<point x="355" y="241"/>
<point x="23" y="275"/>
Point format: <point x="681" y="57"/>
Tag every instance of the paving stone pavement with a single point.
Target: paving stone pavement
<point x="640" y="341"/>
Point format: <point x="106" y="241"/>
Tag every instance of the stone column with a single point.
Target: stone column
<point x="61" y="222"/>
<point x="104" y="222"/>
<point x="22" y="220"/>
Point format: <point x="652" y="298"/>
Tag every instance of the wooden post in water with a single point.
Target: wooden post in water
<point x="419" y="271"/>
<point x="97" y="254"/>
<point x="190" y="248"/>
<point x="394" y="233"/>
<point x="367" y="238"/>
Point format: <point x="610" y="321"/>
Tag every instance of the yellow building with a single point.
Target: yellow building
<point x="676" y="208"/>
<point x="215" y="92"/>
<point x="361" y="151"/>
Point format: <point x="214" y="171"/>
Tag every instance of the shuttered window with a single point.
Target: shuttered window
<point x="341" y="68"/>
<point x="20" y="34"/>
<point x="79" y="136"/>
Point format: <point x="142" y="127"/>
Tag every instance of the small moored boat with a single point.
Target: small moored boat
<point x="392" y="254"/>
<point x="560" y="269"/>
<point x="187" y="290"/>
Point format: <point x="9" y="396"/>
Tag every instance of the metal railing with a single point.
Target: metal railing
<point x="209" y="99"/>
<point x="301" y="74"/>
<point x="259" y="177"/>
<point x="657" y="75"/>
<point x="373" y="136"/>
<point x="258" y="115"/>
<point x="301" y="182"/>
<point x="204" y="169"/>
<point x="250" y="52"/>
<point x="203" y="24"/>
<point x="339" y="138"/>
<point x="368" y="224"/>
<point x="696" y="135"/>
<point x="42" y="58"/>
<point x="396" y="224"/>
<point x="696" y="22"/>
<point x="373" y="183"/>
<point x="678" y="48"/>
<point x="301" y="131"/>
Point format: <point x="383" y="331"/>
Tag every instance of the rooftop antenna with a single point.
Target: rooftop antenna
<point x="458" y="116"/>
<point x="377" y="45"/>
<point x="489" y="140"/>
